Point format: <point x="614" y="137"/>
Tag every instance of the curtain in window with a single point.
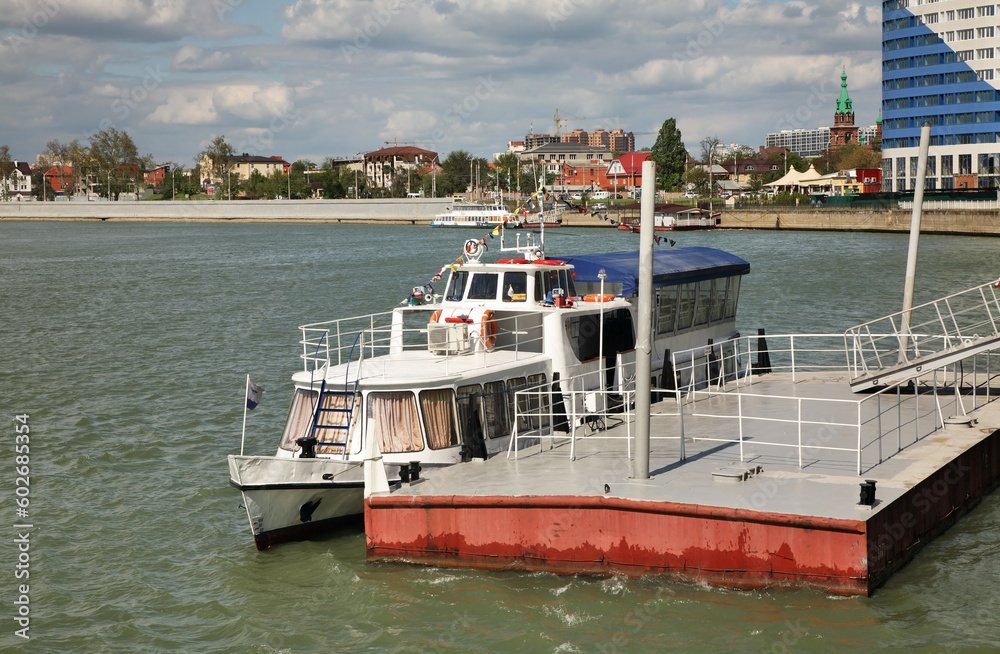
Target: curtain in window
<point x="299" y="418"/>
<point x="439" y="418"/>
<point x="396" y="424"/>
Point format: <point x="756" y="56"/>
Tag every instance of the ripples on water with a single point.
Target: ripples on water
<point x="128" y="345"/>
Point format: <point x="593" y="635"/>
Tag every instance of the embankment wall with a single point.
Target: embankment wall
<point x="931" y="221"/>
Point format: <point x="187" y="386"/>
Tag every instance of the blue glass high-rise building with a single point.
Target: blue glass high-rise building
<point x="939" y="66"/>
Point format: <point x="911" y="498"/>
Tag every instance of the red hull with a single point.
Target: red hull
<point x="726" y="546"/>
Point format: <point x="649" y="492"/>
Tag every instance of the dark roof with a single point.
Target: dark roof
<point x="400" y="150"/>
<point x="254" y="158"/>
<point x="673" y="266"/>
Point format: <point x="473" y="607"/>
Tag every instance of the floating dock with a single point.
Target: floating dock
<point x="781" y="478"/>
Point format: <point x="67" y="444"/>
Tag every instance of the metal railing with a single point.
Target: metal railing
<point x="954" y="205"/>
<point x="340" y="341"/>
<point x="962" y="320"/>
<point x="719" y="391"/>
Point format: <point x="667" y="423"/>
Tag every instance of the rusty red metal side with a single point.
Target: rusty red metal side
<point x="598" y="535"/>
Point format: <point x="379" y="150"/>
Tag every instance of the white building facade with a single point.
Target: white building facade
<point x="806" y="143"/>
<point x="941" y="66"/>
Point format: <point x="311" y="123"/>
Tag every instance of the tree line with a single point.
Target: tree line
<point x="110" y="165"/>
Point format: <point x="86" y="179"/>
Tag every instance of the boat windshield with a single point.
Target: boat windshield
<point x="456" y="285"/>
<point x="515" y="287"/>
<point x="484" y="286"/>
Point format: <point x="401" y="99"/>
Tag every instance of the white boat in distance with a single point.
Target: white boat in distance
<point x="433" y="381"/>
<point x="473" y="214"/>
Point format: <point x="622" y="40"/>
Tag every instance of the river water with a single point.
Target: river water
<point x="127" y="345"/>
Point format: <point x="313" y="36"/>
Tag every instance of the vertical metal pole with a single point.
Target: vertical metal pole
<point x="799" y="421"/>
<point x="643" y="349"/>
<point x="911" y="255"/>
<point x="246" y="394"/>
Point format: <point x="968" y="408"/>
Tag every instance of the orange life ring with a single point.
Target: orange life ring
<point x="597" y="297"/>
<point x="549" y="262"/>
<point x="513" y="261"/>
<point x="436" y="315"/>
<point x="488" y="328"/>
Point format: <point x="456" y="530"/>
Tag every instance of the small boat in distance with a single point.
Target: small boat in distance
<point x="434" y="381"/>
<point x="669" y="218"/>
<point x="474" y="214"/>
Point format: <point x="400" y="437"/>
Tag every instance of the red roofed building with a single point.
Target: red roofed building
<point x="625" y="172"/>
<point x="156" y="176"/>
<point x="60" y="179"/>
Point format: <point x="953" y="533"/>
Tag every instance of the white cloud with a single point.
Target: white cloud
<point x="185" y="108"/>
<point x="192" y="59"/>
<point x="344" y="75"/>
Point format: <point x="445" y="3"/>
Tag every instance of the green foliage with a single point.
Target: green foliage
<point x="6" y="166"/>
<point x="699" y="179"/>
<point x="114" y="163"/>
<point x="670" y="156"/>
<point x="216" y="159"/>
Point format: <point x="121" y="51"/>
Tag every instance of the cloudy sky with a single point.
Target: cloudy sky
<point x="317" y="78"/>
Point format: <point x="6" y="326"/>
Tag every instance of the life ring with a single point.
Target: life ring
<point x="436" y="315"/>
<point x="513" y="261"/>
<point x="488" y="328"/>
<point x="549" y="262"/>
<point x="597" y="297"/>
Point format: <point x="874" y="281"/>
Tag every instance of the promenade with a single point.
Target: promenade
<point x="421" y="211"/>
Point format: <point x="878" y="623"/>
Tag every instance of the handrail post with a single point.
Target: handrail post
<point x="791" y="347"/>
<point x="859" y="438"/>
<point x="572" y="426"/>
<point x="739" y="404"/>
<point x="799" y="422"/>
<point x="878" y="409"/>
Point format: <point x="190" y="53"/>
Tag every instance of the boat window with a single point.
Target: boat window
<point x="704" y="305"/>
<point x="483" y="287"/>
<point x="719" y="298"/>
<point x="438" y="407"/>
<point x="584" y="336"/>
<point x="456" y="285"/>
<point x="395" y="418"/>
<point x="685" y="305"/>
<point x="538" y="401"/>
<point x="668" y="310"/>
<point x="515" y="287"/>
<point x="546" y="280"/>
<point x="732" y="296"/>
<point x="495" y="405"/>
<point x="332" y="419"/>
<point x="522" y="402"/>
<point x="299" y="419"/>
<point x="570" y="283"/>
<point x="470" y="411"/>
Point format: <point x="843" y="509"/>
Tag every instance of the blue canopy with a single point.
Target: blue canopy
<point x="673" y="266"/>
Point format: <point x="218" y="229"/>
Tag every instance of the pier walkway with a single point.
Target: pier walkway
<point x="755" y="479"/>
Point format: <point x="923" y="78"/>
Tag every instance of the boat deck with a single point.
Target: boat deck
<point x="753" y="519"/>
<point x="826" y="485"/>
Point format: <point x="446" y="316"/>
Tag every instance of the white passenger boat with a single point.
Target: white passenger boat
<point x="472" y="214"/>
<point x="433" y="381"/>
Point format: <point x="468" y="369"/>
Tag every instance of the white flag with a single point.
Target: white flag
<point x="254" y="393"/>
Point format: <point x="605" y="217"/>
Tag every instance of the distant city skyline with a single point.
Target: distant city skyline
<point x="317" y="78"/>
